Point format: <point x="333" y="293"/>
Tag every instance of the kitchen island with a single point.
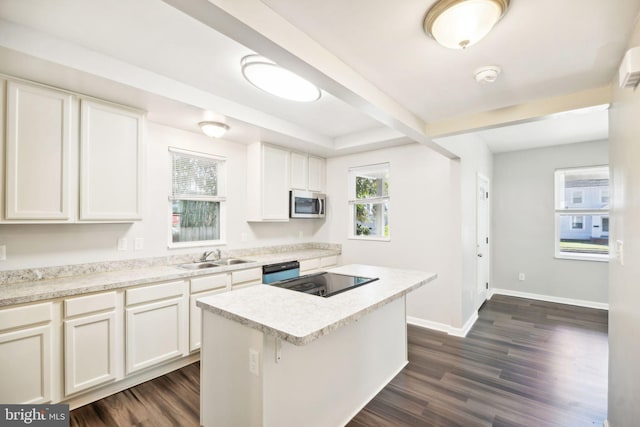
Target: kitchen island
<point x="272" y="357"/>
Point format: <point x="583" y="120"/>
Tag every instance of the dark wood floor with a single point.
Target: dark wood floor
<point x="524" y="363"/>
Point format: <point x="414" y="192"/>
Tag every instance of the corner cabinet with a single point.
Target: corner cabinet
<point x="267" y="183"/>
<point x="69" y="158"/>
<point x="111" y="161"/>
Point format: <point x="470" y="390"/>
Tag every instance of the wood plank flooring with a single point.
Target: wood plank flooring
<point x="524" y="363"/>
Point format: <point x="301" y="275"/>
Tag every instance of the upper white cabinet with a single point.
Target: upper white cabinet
<point x="111" y="161"/>
<point x="46" y="134"/>
<point x="267" y="183"/>
<point x="307" y="172"/>
<point x="38" y="141"/>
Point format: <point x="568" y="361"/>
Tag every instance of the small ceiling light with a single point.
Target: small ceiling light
<point x="213" y="129"/>
<point x="271" y="78"/>
<point x="458" y="24"/>
<point x="488" y="74"/>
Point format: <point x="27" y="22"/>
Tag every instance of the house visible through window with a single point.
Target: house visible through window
<point x="369" y="202"/>
<point x="197" y="198"/>
<point x="582" y="213"/>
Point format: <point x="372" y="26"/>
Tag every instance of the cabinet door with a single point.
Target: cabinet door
<point x="156" y="332"/>
<point x="37" y="153"/>
<point x="90" y="351"/>
<point x="111" y="161"/>
<point x="25" y="365"/>
<point x="195" y="318"/>
<point x="317" y="169"/>
<point x="299" y="171"/>
<point x="275" y="184"/>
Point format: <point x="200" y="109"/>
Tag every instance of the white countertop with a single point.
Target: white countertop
<point x="300" y="318"/>
<point x="23" y="292"/>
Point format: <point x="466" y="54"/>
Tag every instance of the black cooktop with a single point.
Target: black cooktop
<point x="323" y="284"/>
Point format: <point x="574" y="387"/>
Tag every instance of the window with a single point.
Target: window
<point x="197" y="199"/>
<point x="577" y="222"/>
<point x="577" y="197"/>
<point x="582" y="213"/>
<point x="369" y="202"/>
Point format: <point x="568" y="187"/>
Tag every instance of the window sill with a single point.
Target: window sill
<point x="373" y="239"/>
<point x="199" y="244"/>
<point x="604" y="258"/>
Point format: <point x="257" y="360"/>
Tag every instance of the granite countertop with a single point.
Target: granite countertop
<point x="301" y="318"/>
<point x="38" y="290"/>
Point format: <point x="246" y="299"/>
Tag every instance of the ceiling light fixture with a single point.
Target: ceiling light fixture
<point x="271" y="78"/>
<point x="458" y="24"/>
<point x="213" y="129"/>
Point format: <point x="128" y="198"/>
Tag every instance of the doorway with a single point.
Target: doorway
<point x="482" y="239"/>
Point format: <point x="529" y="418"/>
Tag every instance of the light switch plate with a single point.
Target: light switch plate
<point x="3" y="252"/>
<point x="122" y="244"/>
<point x="138" y="244"/>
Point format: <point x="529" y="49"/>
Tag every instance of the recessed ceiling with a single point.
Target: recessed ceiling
<point x="395" y="81"/>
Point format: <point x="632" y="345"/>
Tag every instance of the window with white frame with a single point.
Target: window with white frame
<point x="582" y="213"/>
<point x="369" y="202"/>
<point x="197" y="199"/>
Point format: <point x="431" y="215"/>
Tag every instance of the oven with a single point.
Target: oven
<point x="280" y="271"/>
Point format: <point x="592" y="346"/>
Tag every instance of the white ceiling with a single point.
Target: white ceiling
<point x="385" y="81"/>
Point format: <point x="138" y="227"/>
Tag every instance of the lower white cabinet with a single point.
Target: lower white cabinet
<point x="91" y="341"/>
<point x="246" y="278"/>
<point x="314" y="265"/>
<point x="195" y="318"/>
<point x="157" y="326"/>
<point x="26" y="352"/>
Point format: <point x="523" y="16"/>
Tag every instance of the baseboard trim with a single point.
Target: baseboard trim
<point x="442" y="327"/>
<point x="548" y="298"/>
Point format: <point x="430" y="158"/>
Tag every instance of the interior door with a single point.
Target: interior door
<point x="482" y="239"/>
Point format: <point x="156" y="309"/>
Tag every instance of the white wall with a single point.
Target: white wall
<point x="523" y="224"/>
<point x="475" y="158"/>
<point x="424" y="224"/>
<point x="624" y="289"/>
<point x="30" y="246"/>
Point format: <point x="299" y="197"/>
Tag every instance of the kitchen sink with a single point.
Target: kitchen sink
<point x="212" y="264"/>
<point x="230" y="261"/>
<point x="198" y="265"/>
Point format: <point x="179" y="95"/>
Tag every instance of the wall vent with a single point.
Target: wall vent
<point x="630" y="68"/>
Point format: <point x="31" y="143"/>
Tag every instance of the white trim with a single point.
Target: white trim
<point x="606" y="423"/>
<point x="442" y="327"/>
<point x="549" y="298"/>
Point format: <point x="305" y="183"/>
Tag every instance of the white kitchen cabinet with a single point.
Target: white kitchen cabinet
<point x="111" y="161"/>
<point x="203" y="287"/>
<point x="314" y="265"/>
<point x="27" y="343"/>
<point x="307" y="172"/>
<point x="92" y="340"/>
<point x="157" y="325"/>
<point x="268" y="176"/>
<point x="245" y="278"/>
<point x="38" y="143"/>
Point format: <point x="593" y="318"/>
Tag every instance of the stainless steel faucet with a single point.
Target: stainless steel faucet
<point x="206" y="254"/>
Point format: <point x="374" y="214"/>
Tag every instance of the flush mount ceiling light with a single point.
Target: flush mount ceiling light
<point x="271" y="78"/>
<point x="458" y="24"/>
<point x="213" y="129"/>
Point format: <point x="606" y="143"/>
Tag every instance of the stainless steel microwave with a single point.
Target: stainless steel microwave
<point x="306" y="204"/>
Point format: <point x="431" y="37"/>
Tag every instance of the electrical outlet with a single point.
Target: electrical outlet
<point x="122" y="244"/>
<point x="244" y="237"/>
<point x="3" y="252"/>
<point x="521" y="277"/>
<point x="620" y="251"/>
<point x="300" y="235"/>
<point x="254" y="362"/>
<point x="138" y="244"/>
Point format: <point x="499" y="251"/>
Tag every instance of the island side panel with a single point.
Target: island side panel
<point x="229" y="394"/>
<point x="326" y="382"/>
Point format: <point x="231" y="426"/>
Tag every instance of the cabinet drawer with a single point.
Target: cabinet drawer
<point x="27" y="315"/>
<point x="155" y="292"/>
<point x="249" y="275"/>
<point x="309" y="264"/>
<point x="329" y="261"/>
<point x="89" y="304"/>
<point x="200" y="284"/>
